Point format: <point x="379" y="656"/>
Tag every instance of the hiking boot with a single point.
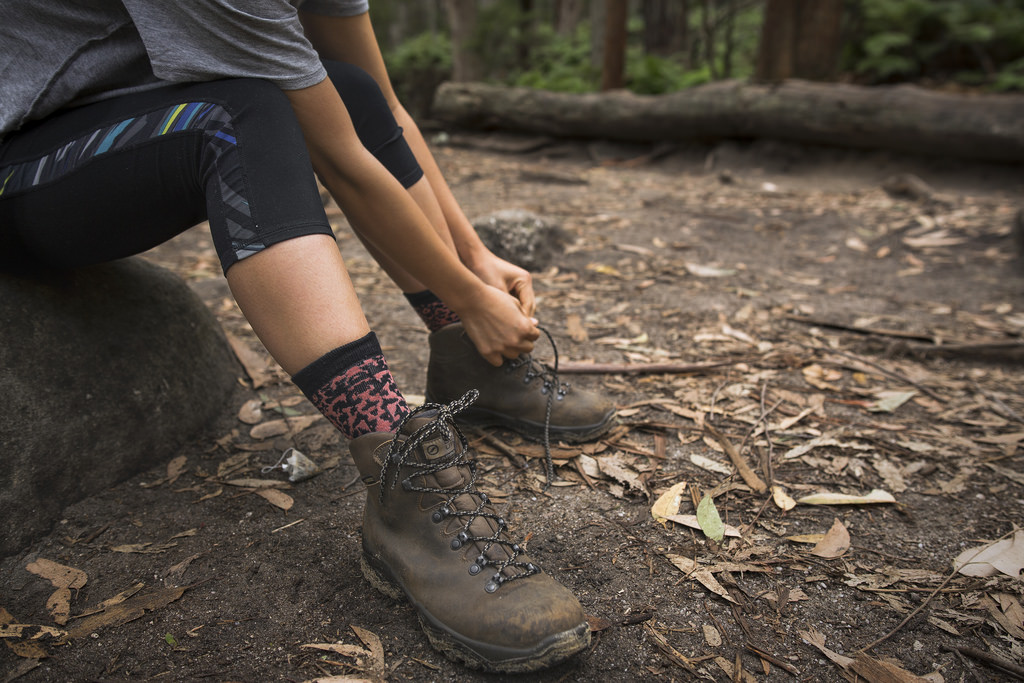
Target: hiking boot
<point x="509" y="396"/>
<point x="431" y="538"/>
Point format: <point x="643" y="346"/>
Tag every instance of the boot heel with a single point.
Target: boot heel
<point x="379" y="581"/>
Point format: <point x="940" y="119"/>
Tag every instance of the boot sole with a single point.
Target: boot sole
<point x="481" y="417"/>
<point x="552" y="650"/>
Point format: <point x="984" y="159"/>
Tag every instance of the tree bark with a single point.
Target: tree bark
<point x="462" y="16"/>
<point x="800" y="39"/>
<point x="613" y="69"/>
<point x="900" y="118"/>
<point x="568" y="14"/>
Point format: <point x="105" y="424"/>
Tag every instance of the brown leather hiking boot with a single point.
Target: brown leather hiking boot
<point x="430" y="537"/>
<point x="509" y="396"/>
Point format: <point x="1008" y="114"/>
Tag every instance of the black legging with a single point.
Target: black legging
<point x="115" y="178"/>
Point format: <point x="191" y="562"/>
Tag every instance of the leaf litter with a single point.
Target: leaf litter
<point x="851" y="387"/>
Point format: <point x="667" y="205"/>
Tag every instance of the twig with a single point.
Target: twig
<point x="993" y="661"/>
<point x="771" y="659"/>
<point x="928" y="599"/>
<point x="885" y="371"/>
<point x="577" y="368"/>
<point x="749" y="476"/>
<point x="875" y="331"/>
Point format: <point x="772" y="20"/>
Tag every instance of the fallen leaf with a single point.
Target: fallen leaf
<point x="782" y="499"/>
<point x="706" y="463"/>
<point x="126" y="611"/>
<point x="834" y="544"/>
<point x="691" y="522"/>
<point x="701" y="574"/>
<point x="826" y="498"/>
<point x="699" y="270"/>
<point x="818" y="640"/>
<point x="251" y="412"/>
<point x="668" y="502"/>
<point x="64" y="579"/>
<point x="277" y="498"/>
<point x="1006" y="556"/>
<point x="709" y="520"/>
<point x="711" y="635"/>
<point x="888" y="401"/>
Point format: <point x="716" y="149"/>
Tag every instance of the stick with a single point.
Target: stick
<point x="574" y="368"/>
<point x="749" y="477"/>
<point x="992" y="660"/>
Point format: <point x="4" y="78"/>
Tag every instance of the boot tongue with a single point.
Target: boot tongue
<point x="437" y="448"/>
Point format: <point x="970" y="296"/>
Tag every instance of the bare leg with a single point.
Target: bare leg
<point x="299" y="299"/>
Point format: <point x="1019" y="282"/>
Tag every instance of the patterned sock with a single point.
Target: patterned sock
<point x="354" y="389"/>
<point x="431" y="310"/>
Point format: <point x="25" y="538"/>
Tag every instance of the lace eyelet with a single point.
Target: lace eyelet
<point x="491" y="586"/>
<point x="475" y="569"/>
<point x="439" y="515"/>
<point x="406" y="485"/>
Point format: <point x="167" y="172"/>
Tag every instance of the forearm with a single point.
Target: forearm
<point x="387" y="215"/>
<point x="467" y="242"/>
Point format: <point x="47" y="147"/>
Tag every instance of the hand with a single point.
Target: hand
<point x="497" y="326"/>
<point x="507" y="277"/>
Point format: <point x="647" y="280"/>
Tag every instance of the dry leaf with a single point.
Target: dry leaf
<point x="126" y="611"/>
<point x="706" y="463"/>
<point x="701" y="574"/>
<point x="616" y="467"/>
<point x="711" y="635"/>
<point x="668" y="503"/>
<point x="826" y="498"/>
<point x="251" y="412"/>
<point x="64" y="579"/>
<point x="1006" y="556"/>
<point x="782" y="499"/>
<point x="278" y="498"/>
<point x="888" y="401"/>
<point x="834" y="544"/>
<point x="691" y="522"/>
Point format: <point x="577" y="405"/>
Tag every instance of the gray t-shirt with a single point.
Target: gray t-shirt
<point x="56" y="53"/>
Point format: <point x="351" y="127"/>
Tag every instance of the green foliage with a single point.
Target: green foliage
<point x="975" y="42"/>
<point x="417" y="67"/>
<point x="559" y="63"/>
<point x="650" y="75"/>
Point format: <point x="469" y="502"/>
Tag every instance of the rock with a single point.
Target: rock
<point x="522" y="237"/>
<point x="105" y="372"/>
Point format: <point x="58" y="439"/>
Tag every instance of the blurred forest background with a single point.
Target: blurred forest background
<point x="659" y="46"/>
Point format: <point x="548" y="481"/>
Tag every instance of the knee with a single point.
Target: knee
<point x="367" y="106"/>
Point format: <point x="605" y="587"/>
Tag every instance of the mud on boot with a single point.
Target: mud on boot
<point x="430" y="537"/>
<point x="522" y="395"/>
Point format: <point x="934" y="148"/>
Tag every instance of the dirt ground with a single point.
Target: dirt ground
<point x="865" y="339"/>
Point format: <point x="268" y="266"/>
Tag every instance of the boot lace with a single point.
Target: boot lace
<point x="552" y="387"/>
<point x="443" y="425"/>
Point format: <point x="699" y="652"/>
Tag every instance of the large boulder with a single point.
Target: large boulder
<point x="104" y="373"/>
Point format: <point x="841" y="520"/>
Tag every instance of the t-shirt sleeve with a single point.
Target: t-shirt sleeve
<point x="335" y="8"/>
<point x="202" y="40"/>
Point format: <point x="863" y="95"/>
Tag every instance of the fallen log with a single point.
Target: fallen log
<point x="903" y="118"/>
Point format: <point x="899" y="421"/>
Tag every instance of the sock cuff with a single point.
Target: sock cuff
<point x="311" y="378"/>
<point x="424" y="298"/>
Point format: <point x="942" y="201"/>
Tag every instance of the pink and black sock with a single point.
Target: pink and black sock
<point x="354" y="389"/>
<point x="434" y="313"/>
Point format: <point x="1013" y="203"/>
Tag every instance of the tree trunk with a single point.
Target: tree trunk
<point x="708" y="35"/>
<point x="657" y="28"/>
<point x="613" y="69"/>
<point x="899" y="118"/>
<point x="568" y="14"/>
<point x="800" y="39"/>
<point x="598" y="12"/>
<point x="462" y="16"/>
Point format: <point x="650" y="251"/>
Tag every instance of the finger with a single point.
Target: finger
<point x="523" y="290"/>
